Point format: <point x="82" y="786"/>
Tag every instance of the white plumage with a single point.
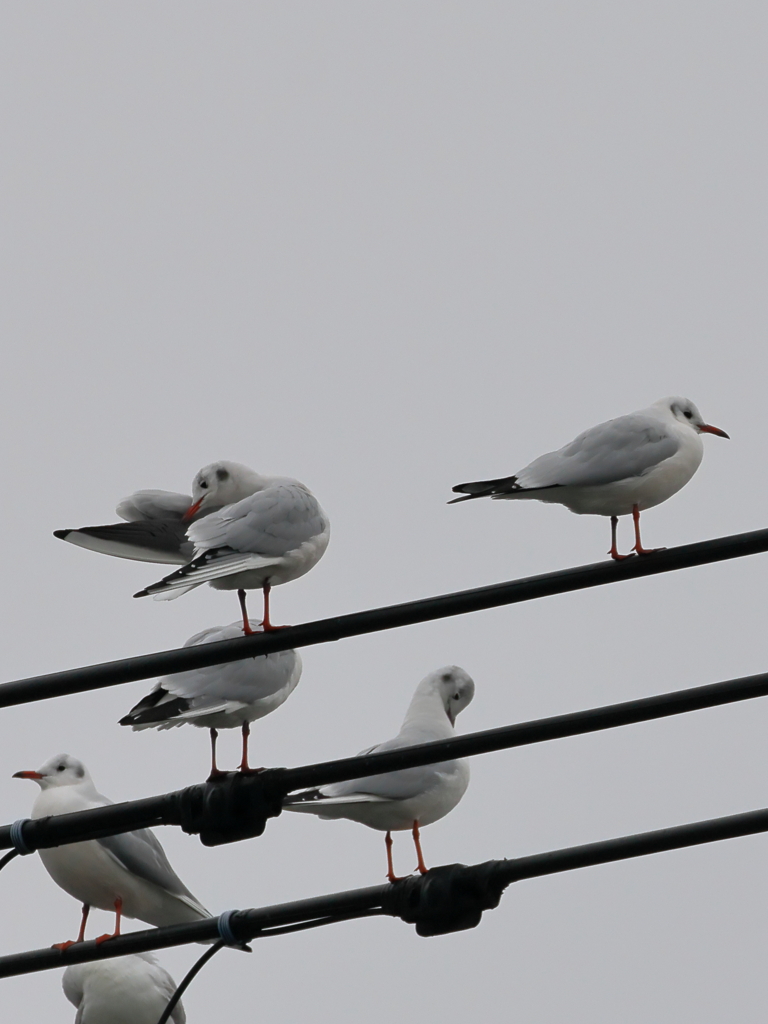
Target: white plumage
<point x="132" y="989"/>
<point x="617" y="468"/>
<point x="411" y="797"/>
<point x="128" y="873"/>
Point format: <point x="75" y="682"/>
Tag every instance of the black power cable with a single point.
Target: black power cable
<point x="564" y="581"/>
<point x="238" y="806"/>
<point x="446" y="899"/>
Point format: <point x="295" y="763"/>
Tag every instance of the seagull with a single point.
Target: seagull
<point x="220" y="696"/>
<point x="617" y="468"/>
<point x="131" y="989"/>
<point x="157" y="521"/>
<point x="274" y="535"/>
<point x="411" y="797"/>
<point x="127" y="873"/>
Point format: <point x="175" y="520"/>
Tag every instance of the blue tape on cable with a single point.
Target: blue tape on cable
<point x="225" y="929"/>
<point x="17" y="837"/>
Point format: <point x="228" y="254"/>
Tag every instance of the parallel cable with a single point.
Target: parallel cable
<point x="127" y="670"/>
<point x="448" y="898"/>
<point x="169" y="809"/>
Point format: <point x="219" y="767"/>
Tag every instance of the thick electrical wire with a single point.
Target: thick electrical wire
<point x="564" y="581"/>
<point x="401" y="899"/>
<point x="168" y="809"/>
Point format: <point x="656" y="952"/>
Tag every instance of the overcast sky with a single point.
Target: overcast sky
<point x="384" y="247"/>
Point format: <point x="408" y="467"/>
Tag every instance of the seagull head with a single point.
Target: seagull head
<point x="61" y="770"/>
<point x="454" y="687"/>
<point x="685" y="411"/>
<point x="222" y="483"/>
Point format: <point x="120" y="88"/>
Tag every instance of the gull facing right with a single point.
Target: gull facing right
<point x="411" y="797"/>
<point x="617" y="468"/>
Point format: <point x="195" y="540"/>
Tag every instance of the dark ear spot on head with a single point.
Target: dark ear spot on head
<point x="447" y="677"/>
<point x="222" y="474"/>
<point x="80" y="771"/>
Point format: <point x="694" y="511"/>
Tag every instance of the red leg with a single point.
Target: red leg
<point x="266" y="624"/>
<point x="244" y="760"/>
<point x="80" y="934"/>
<point x="118" y="918"/>
<point x="390" y="866"/>
<point x="421" y="867"/>
<point x="638" y="544"/>
<point x="614" y="552"/>
<point x="215" y="771"/>
<point x="246" y="624"/>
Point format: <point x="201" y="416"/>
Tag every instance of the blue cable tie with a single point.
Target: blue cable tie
<point x="225" y="929"/>
<point x="17" y="837"/>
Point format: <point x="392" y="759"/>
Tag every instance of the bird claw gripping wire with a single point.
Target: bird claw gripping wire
<point x="233" y="807"/>
<point x="450" y="898"/>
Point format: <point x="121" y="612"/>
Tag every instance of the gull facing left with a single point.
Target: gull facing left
<point x="411" y="797"/>
<point x="127" y="873"/>
<point x="275" y="535"/>
<point x="617" y="468"/>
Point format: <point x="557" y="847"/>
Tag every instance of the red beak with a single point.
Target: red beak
<point x="192" y="509"/>
<point x="26" y="775"/>
<point x="706" y="429"/>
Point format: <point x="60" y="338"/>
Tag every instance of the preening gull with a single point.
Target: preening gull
<point x="617" y="468"/>
<point x="127" y="873"/>
<point x="132" y="989"/>
<point x="157" y="521"/>
<point x="221" y="696"/>
<point x="412" y="797"/>
<point x="276" y="534"/>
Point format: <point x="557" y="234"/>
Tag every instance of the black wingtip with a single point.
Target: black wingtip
<point x="61" y="534"/>
<point x="464" y="497"/>
<point x="142" y="593"/>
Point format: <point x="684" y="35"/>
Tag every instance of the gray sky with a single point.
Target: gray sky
<point x="385" y="247"/>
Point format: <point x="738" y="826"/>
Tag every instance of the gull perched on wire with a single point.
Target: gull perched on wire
<point x="617" y="468"/>
<point x="132" y="989"/>
<point x="220" y="696"/>
<point x="127" y="873"/>
<point x="411" y="797"/>
<point x="276" y="534"/>
<point x="238" y="530"/>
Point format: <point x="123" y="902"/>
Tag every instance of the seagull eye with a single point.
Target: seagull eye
<point x="688" y="414"/>
<point x="456" y="696"/>
<point x="61" y="768"/>
<point x="203" y="484"/>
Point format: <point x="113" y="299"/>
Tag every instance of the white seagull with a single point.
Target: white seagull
<point x="273" y="536"/>
<point x="237" y="531"/>
<point x="221" y="696"/>
<point x="411" y="797"/>
<point x="127" y="873"/>
<point x="617" y="468"/>
<point x="132" y="989"/>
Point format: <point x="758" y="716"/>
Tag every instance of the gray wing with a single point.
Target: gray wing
<point x="399" y="785"/>
<point x="140" y="853"/>
<point x="150" y="540"/>
<point x="628" y="446"/>
<point x="269" y="523"/>
<point x="145" y="505"/>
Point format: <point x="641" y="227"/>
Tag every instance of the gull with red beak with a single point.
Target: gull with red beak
<point x="156" y="523"/>
<point x="276" y="534"/>
<point x="409" y="798"/>
<point x="238" y="530"/>
<point x="617" y="468"/>
<point x="128" y="874"/>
